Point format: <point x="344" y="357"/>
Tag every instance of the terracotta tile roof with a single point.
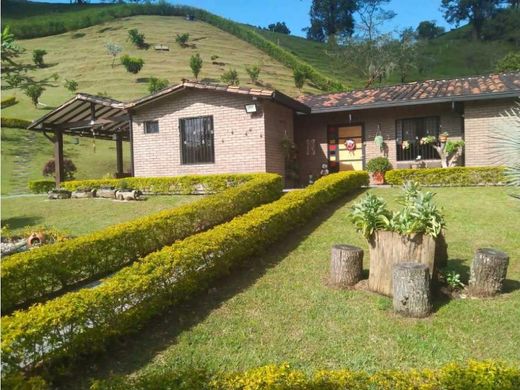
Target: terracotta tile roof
<point x="430" y="91"/>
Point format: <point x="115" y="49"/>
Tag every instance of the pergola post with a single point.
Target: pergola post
<point x="119" y="153"/>
<point x="58" y="157"/>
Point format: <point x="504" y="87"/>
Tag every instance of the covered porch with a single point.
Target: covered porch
<point x="87" y="116"/>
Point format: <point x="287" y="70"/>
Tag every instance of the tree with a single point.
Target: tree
<point x="182" y="39"/>
<point x="230" y="77"/>
<point x="13" y="72"/>
<point x="136" y="38"/>
<point x="71" y="85"/>
<point x="155" y="84"/>
<point x="509" y="63"/>
<point x="69" y="168"/>
<point x="331" y="19"/>
<point x="113" y="49"/>
<point x="37" y="56"/>
<point x="406" y="54"/>
<point x="196" y="65"/>
<point x="132" y="64"/>
<point x="372" y="15"/>
<point x="299" y="76"/>
<point x="253" y="72"/>
<point x="427" y="29"/>
<point x="279" y="27"/>
<point x="34" y="91"/>
<point x="476" y="11"/>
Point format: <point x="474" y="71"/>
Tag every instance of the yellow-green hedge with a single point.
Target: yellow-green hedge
<point x="190" y="184"/>
<point x="473" y="375"/>
<point x="41" y="186"/>
<point x="30" y="276"/>
<point x="83" y="321"/>
<point x="8" y="102"/>
<point x="14" y="123"/>
<point x="457" y="176"/>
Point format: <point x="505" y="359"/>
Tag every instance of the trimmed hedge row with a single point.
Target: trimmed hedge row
<point x="32" y="275"/>
<point x="14" y="123"/>
<point x="190" y="184"/>
<point x="8" y="102"/>
<point x="475" y="375"/>
<point x="41" y="186"/>
<point x="83" y="321"/>
<point x="38" y="26"/>
<point x="457" y="176"/>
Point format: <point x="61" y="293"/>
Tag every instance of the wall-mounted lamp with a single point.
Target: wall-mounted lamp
<point x="251" y="108"/>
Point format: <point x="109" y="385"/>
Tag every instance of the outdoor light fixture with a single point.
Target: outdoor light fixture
<point x="251" y="108"/>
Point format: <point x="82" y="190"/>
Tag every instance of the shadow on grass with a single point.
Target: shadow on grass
<point x="21" y="222"/>
<point x="130" y="353"/>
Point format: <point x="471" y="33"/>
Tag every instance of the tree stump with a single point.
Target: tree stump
<point x="346" y="265"/>
<point x="488" y="272"/>
<point x="411" y="287"/>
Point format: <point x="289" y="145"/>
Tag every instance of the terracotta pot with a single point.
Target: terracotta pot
<point x="443" y="138"/>
<point x="378" y="178"/>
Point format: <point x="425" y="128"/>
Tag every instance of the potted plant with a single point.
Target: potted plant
<point x="377" y="167"/>
<point x="443" y="137"/>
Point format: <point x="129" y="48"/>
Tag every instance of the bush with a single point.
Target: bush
<point x="132" y="64"/>
<point x="136" y="38"/>
<point x="230" y="77"/>
<point x="509" y="63"/>
<point x="475" y="375"/>
<point x="379" y="164"/>
<point x="457" y="176"/>
<point x="69" y="168"/>
<point x="34" y="92"/>
<point x="182" y="39"/>
<point x="15" y="123"/>
<point x="299" y="76"/>
<point x="83" y="321"/>
<point x="8" y="102"/>
<point x="38" y="57"/>
<point x="155" y="84"/>
<point x="253" y="72"/>
<point x="41" y="186"/>
<point x="29" y="276"/>
<point x="71" y="85"/>
<point x="196" y="65"/>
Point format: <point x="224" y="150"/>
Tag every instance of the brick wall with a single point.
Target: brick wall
<point x="278" y="124"/>
<point x="239" y="137"/>
<point x="480" y="118"/>
<point x="309" y="127"/>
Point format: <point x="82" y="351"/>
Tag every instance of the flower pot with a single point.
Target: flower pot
<point x="443" y="138"/>
<point x="378" y="178"/>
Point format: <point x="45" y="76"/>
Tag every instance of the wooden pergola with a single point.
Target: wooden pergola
<point x="86" y="116"/>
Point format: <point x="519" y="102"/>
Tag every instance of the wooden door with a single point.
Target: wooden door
<point x="342" y="157"/>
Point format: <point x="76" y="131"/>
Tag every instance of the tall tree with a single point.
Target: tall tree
<point x="475" y="11"/>
<point x="372" y="16"/>
<point x="279" y="27"/>
<point x="428" y="29"/>
<point x="406" y="54"/>
<point x="331" y="19"/>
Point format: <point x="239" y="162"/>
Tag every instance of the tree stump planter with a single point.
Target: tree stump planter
<point x="79" y="194"/>
<point x="411" y="288"/>
<point x="346" y="265"/>
<point x="488" y="272"/>
<point x="128" y="194"/>
<point x="58" y="194"/>
<point x="106" y="192"/>
<point x="390" y="248"/>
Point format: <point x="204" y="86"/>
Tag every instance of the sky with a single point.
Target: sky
<point x="295" y="13"/>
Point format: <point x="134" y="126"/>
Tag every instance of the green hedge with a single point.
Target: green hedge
<point x="83" y="321"/>
<point x="41" y="186"/>
<point x="43" y="25"/>
<point x="32" y="275"/>
<point x="457" y="176"/>
<point x="190" y="184"/>
<point x="15" y="123"/>
<point x="474" y="375"/>
<point x="8" y="102"/>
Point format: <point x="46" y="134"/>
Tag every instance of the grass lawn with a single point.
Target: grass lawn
<point x="278" y="308"/>
<point x="80" y="216"/>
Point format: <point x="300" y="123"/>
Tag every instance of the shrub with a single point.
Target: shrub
<point x="15" y="123"/>
<point x="509" y="63"/>
<point x="8" y="102"/>
<point x="83" y="321"/>
<point x="253" y="72"/>
<point x="29" y="276"/>
<point x="38" y="57"/>
<point x="196" y="65"/>
<point x="299" y="76"/>
<point x="34" y="92"/>
<point x="457" y="176"/>
<point x="230" y="77"/>
<point x="132" y="64"/>
<point x="41" y="186"/>
<point x="136" y="38"/>
<point x="69" y="168"/>
<point x="155" y="84"/>
<point x="182" y="39"/>
<point x="379" y="164"/>
<point x="71" y="85"/>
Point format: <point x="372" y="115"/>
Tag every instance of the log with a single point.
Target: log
<point x="346" y="265"/>
<point x="488" y="272"/>
<point x="411" y="288"/>
<point x="84" y="194"/>
<point x="390" y="248"/>
<point x="109" y="193"/>
<point x="58" y="194"/>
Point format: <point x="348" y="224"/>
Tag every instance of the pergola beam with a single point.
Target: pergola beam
<point x="87" y="123"/>
<point x="59" y="172"/>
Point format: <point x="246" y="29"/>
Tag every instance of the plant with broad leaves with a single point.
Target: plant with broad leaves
<point x="452" y="279"/>
<point x="370" y="214"/>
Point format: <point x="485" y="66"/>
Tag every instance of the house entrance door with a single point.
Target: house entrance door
<point x="345" y="147"/>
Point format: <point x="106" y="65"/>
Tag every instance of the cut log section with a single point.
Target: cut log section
<point x="488" y="272"/>
<point x="346" y="265"/>
<point x="411" y="288"/>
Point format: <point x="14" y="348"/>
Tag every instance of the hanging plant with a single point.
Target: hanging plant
<point x="405" y="145"/>
<point x="379" y="141"/>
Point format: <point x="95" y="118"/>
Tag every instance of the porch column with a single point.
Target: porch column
<point x="119" y="153"/>
<point x="58" y="157"/>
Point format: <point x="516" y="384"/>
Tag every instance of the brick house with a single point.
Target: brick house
<point x="206" y="128"/>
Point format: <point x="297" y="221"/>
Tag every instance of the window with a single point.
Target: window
<point x="408" y="135"/>
<point x="197" y="144"/>
<point x="151" y="127"/>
